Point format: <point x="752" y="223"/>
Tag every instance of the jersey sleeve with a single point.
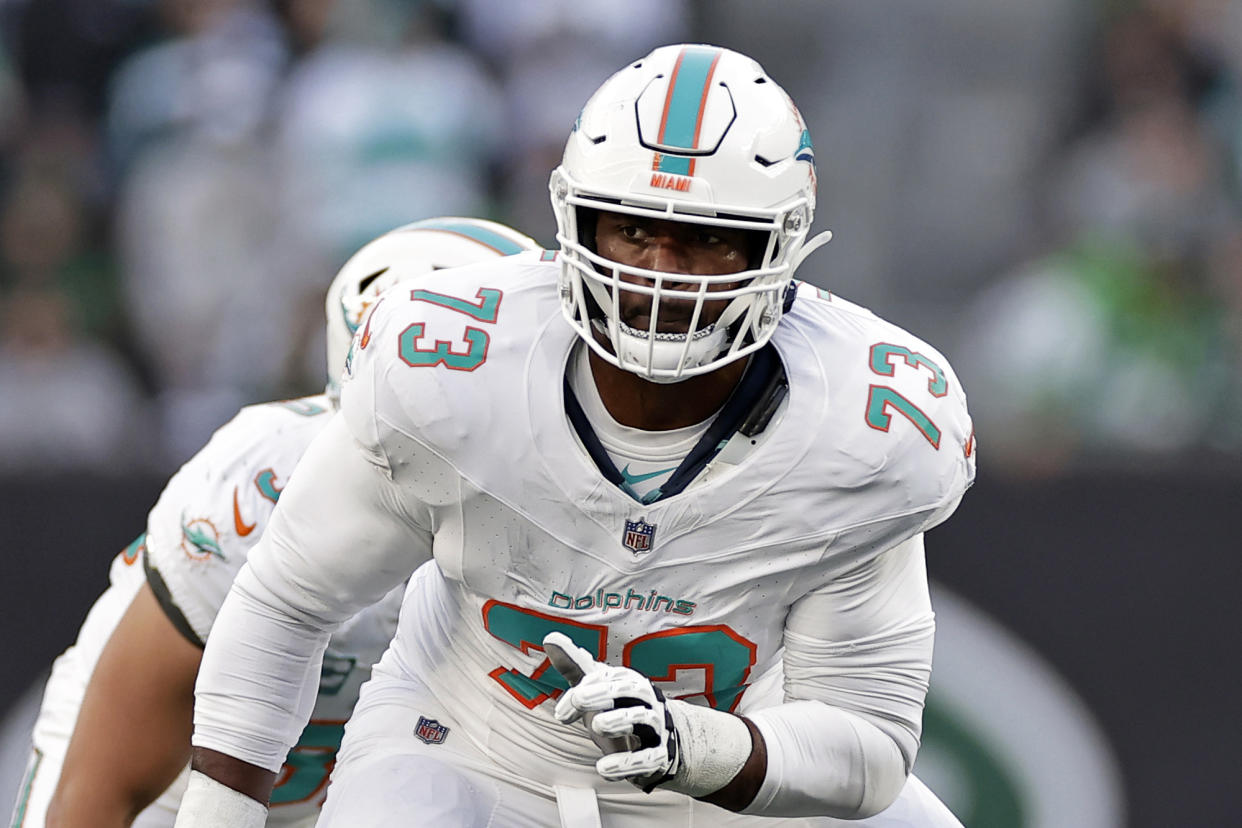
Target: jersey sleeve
<point x="896" y="458"/>
<point x="216" y="507"/>
<point x="342" y="536"/>
<point x="405" y="419"/>
<point x="857" y="663"/>
<point x="193" y="548"/>
<point x="902" y="441"/>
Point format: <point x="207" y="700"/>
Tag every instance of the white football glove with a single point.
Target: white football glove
<point x="646" y="739"/>
<point x="623" y="712"/>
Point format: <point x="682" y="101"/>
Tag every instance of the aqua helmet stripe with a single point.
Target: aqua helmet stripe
<point x="683" y="106"/>
<point x="489" y="238"/>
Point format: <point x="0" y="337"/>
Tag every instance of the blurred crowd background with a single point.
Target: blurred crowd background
<point x="1050" y="192"/>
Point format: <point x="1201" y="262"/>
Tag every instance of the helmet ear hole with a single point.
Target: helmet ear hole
<point x="365" y="281"/>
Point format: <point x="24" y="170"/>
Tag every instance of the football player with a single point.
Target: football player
<point x="656" y="476"/>
<point x="113" y="736"/>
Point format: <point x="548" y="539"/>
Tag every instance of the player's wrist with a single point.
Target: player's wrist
<point x="713" y="748"/>
<point x="208" y="803"/>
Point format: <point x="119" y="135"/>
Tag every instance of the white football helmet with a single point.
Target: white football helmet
<point x="697" y="134"/>
<point x="408" y="251"/>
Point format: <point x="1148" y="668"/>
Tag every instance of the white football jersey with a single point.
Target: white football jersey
<point x="66" y="687"/>
<point x="457" y="389"/>
<point x="199" y="534"/>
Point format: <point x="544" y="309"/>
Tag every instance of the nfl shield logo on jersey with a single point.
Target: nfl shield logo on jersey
<point x="638" y="536"/>
<point x="430" y="731"/>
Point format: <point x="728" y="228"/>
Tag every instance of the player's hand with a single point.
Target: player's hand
<point x="623" y="712"/>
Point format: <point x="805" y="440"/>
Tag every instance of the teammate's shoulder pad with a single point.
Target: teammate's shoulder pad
<point x="262" y="434"/>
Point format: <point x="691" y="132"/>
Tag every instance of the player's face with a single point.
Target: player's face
<point x="670" y="247"/>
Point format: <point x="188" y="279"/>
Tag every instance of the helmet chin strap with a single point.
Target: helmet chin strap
<point x="632" y="347"/>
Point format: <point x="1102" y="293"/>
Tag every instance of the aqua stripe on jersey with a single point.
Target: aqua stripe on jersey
<point x="490" y="238"/>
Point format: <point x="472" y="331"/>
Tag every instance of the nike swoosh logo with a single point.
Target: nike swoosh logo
<point x="238" y="523"/>
<point x="631" y="479"/>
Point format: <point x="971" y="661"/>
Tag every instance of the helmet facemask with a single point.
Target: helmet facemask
<point x="722" y="317"/>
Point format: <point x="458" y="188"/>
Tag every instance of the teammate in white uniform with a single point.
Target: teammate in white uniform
<point x="133" y="715"/>
<point x="674" y="500"/>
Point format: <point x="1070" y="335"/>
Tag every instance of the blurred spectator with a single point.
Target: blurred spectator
<point x="65" y="50"/>
<point x="49" y="222"/>
<point x="66" y="402"/>
<point x="370" y="136"/>
<point x="193" y="227"/>
<point x="1152" y="174"/>
<point x="1100" y="348"/>
<point x="1119" y="342"/>
<point x="195" y="211"/>
<point x="67" y="399"/>
<point x="376" y="126"/>
<point x="11" y="104"/>
<point x="930" y="121"/>
<point x="550" y="57"/>
<point x="1147" y="167"/>
<point x="187" y="174"/>
<point x="509" y="32"/>
<point x="214" y="77"/>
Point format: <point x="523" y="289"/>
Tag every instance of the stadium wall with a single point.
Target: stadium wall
<point x="1123" y="585"/>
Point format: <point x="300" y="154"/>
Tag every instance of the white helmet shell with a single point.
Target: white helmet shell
<point x="408" y="251"/>
<point x="697" y="134"/>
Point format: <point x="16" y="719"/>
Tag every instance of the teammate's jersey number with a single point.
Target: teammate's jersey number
<point x="882" y="400"/>
<point x="309" y="763"/>
<point x="723" y="657"/>
<point x="441" y="351"/>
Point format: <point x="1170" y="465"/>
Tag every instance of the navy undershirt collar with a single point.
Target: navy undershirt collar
<point x="753" y="392"/>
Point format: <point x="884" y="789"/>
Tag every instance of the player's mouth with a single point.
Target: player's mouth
<point x="676" y="334"/>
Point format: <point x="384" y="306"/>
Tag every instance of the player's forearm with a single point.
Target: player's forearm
<point x="844" y="746"/>
<point x="824" y="761"/>
<point x="98" y="805"/>
<point x="243" y="777"/>
<point x="742" y="789"/>
<point x="132" y="735"/>
<point x="249" y="708"/>
<point x="112" y="797"/>
<point x="856" y="673"/>
<point x="210" y="803"/>
<point x="249" y="705"/>
<point x="819" y="761"/>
